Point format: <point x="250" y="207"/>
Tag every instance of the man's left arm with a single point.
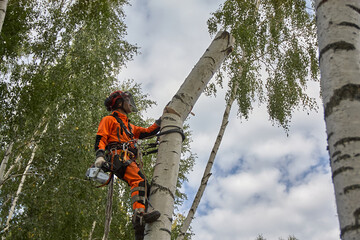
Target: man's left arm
<point x="140" y="132"/>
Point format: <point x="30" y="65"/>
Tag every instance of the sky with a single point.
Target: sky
<point x="264" y="182"/>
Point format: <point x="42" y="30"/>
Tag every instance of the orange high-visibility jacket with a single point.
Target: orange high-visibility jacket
<point x="109" y="131"/>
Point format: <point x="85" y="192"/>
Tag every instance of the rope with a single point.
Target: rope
<point x="141" y="166"/>
<point x="176" y="129"/>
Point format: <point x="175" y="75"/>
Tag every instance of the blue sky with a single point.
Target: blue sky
<point x="263" y="182"/>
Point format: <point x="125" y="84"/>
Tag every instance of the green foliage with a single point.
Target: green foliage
<point x="274" y="55"/>
<point x="260" y="237"/>
<point x="59" y="61"/>
<point x="176" y="228"/>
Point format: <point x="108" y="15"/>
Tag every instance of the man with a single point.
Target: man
<point x="116" y="152"/>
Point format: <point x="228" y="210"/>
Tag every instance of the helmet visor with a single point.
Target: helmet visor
<point x="127" y="96"/>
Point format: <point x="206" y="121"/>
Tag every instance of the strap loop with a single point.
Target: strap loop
<point x="176" y="129"/>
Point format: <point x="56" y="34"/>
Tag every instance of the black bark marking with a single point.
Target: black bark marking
<point x="346" y="140"/>
<point x="341" y="170"/>
<point x="347" y="92"/>
<point x="211" y="58"/>
<point x="169" y="119"/>
<point x="349" y="228"/>
<point x="180" y="97"/>
<point x="158" y="187"/>
<point x="354" y="227"/>
<point x="340" y="45"/>
<point x="354" y="8"/>
<point x="349" y="24"/>
<point x="321" y="3"/>
<point x="357" y="216"/>
<point x="342" y="157"/>
<point x="330" y="135"/>
<point x="336" y="153"/>
<point x="351" y="188"/>
<point x="165" y="230"/>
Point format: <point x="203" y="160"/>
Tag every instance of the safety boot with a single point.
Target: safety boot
<point x="139" y="220"/>
<point x="142" y="217"/>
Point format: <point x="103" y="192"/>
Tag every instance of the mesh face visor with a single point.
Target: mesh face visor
<point x="127" y="96"/>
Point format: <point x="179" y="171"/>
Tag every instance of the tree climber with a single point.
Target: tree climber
<point x="116" y="152"/>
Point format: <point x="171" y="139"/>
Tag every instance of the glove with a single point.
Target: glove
<point x="158" y="122"/>
<point x="99" y="162"/>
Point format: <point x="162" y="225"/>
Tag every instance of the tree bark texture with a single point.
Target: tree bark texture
<point x="92" y="230"/>
<point x="210" y="163"/>
<point x="3" y="6"/>
<point x="5" y="162"/>
<point x="338" y="25"/>
<point x="162" y="194"/>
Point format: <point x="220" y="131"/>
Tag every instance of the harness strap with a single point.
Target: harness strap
<point x="137" y="198"/>
<point x="123" y="127"/>
<point x="138" y="189"/>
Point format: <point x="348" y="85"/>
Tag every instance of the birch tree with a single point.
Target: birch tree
<point x="256" y="26"/>
<point x="67" y="61"/>
<point x="207" y="172"/>
<point x="3" y="6"/>
<point x="275" y="46"/>
<point x="339" y="54"/>
<point x="167" y="164"/>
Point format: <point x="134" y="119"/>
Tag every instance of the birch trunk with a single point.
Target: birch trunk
<point x="92" y="230"/>
<point x="339" y="45"/>
<point x="22" y="181"/>
<point x="210" y="163"/>
<point x="5" y="162"/>
<point x="108" y="211"/>
<point x="3" y="6"/>
<point x="166" y="170"/>
<point x="4" y="176"/>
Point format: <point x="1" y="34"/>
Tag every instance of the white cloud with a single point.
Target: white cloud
<point x="244" y="205"/>
<point x="263" y="181"/>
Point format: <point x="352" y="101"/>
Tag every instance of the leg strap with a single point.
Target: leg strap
<point x="138" y="197"/>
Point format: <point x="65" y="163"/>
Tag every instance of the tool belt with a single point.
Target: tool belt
<point x="118" y="156"/>
<point x="111" y="147"/>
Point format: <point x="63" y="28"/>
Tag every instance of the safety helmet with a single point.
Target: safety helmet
<point x="111" y="102"/>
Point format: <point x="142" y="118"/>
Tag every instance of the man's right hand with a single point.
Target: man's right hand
<point x="99" y="162"/>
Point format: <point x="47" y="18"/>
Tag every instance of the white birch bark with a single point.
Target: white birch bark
<point x="210" y="163"/>
<point x="5" y="162"/>
<point x="166" y="170"/>
<point x="22" y="181"/>
<point x="338" y="25"/>
<point x="3" y="6"/>
<point x="9" y="171"/>
<point x="92" y="230"/>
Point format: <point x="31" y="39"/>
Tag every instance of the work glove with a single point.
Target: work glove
<point x="158" y="122"/>
<point x="99" y="161"/>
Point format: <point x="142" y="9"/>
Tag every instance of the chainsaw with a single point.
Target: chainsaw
<point x="97" y="174"/>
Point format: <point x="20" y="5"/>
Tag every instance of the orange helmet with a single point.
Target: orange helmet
<point x="111" y="102"/>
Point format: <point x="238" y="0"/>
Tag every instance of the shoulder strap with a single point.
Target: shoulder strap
<point x="122" y="125"/>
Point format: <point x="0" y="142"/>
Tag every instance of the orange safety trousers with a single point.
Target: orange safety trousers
<point x="125" y="168"/>
<point x="133" y="178"/>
